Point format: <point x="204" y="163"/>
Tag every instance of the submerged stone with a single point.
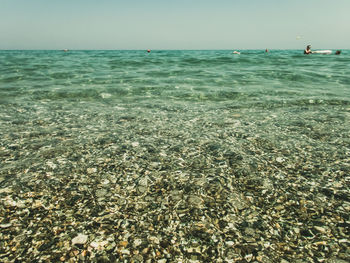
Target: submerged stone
<point x="80" y="239"/>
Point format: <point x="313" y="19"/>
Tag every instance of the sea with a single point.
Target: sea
<point x="283" y="85"/>
<point x="137" y="136"/>
<point x="283" y="96"/>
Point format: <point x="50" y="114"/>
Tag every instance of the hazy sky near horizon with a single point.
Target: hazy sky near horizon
<point x="176" y="24"/>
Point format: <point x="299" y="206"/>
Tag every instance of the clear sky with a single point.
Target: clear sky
<point x="174" y="24"/>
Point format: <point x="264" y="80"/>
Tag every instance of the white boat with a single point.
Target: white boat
<point x="325" y="52"/>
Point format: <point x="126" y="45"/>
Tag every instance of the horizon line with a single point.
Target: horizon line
<point x="161" y="49"/>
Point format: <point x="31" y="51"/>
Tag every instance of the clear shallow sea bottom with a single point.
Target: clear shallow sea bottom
<point x="174" y="155"/>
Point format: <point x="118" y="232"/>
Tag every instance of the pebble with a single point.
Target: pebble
<point x="195" y="201"/>
<point x="135" y="144"/>
<point x="171" y="186"/>
<point x="320" y="229"/>
<point x="125" y="251"/>
<point x="91" y="170"/>
<point x="80" y="239"/>
<point x="229" y="243"/>
<point x="6" y="190"/>
<point x="280" y="159"/>
<point x="137" y="242"/>
<point x="101" y="192"/>
<point x="5" y="225"/>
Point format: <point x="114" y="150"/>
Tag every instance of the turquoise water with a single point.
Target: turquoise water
<point x="283" y="88"/>
<point x="252" y="79"/>
<point x="283" y="99"/>
<point x="80" y="131"/>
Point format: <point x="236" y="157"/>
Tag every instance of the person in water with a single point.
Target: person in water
<point x="308" y="50"/>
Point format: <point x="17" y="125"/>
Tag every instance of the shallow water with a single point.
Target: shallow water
<point x="281" y="89"/>
<point x="267" y="126"/>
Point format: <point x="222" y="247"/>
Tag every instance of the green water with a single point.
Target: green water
<point x="282" y="95"/>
